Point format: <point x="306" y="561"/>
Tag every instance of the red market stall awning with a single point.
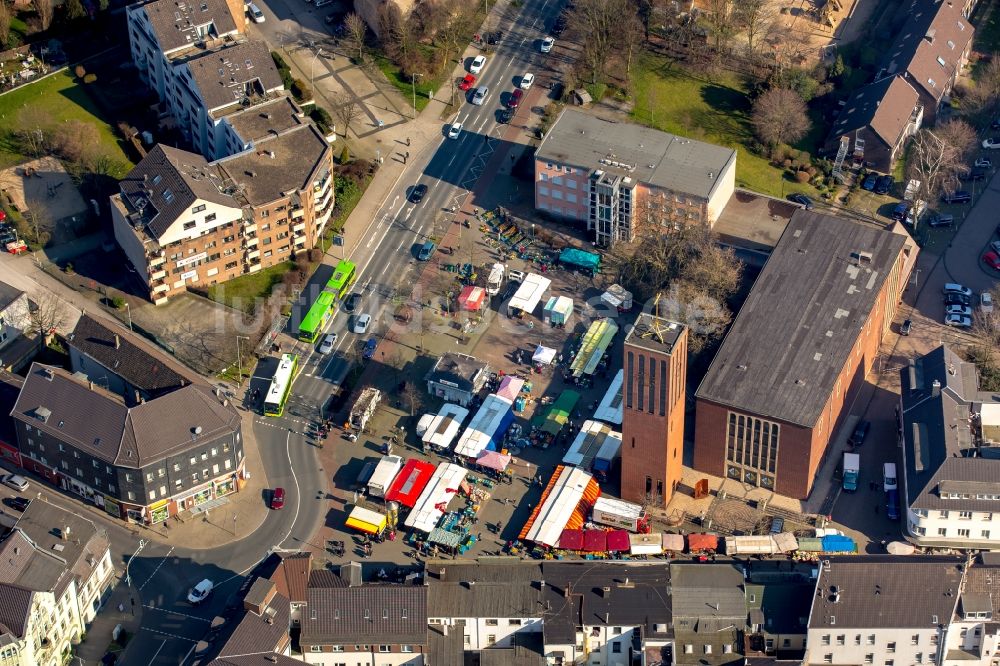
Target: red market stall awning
<point x="618" y="541"/>
<point x="595" y="541"/>
<point x="698" y="543"/>
<point x="410" y="482"/>
<point x="472" y="298"/>
<point x="571" y="540"/>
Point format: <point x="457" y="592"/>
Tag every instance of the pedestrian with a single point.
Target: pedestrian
<point x="407" y="142"/>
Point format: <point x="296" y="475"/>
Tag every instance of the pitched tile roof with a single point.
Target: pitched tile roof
<point x="484" y="590"/>
<point x="368" y="613"/>
<point x="885" y="106"/>
<point x="8" y="295"/>
<point x="181" y="24"/>
<point x="708" y="590"/>
<point x="886" y="592"/>
<point x="99" y="422"/>
<point x="261" y="659"/>
<point x="26" y="565"/>
<point x="15" y="606"/>
<point x="263" y="634"/>
<point x="129" y="356"/>
<point x="230" y="75"/>
<point x="292" y="576"/>
<point x="166" y="183"/>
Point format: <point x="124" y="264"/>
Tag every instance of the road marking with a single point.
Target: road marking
<point x="162" y="560"/>
<point x="157" y="653"/>
<point x="190" y="617"/>
<point x="298" y="492"/>
<point x="164" y="633"/>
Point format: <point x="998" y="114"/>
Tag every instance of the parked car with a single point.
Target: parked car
<point x="963" y="310"/>
<point x="942" y="220"/>
<point x="973" y="176"/>
<point x="857" y="438"/>
<point x="899" y="211"/>
<point x="480" y="95"/>
<point x="991" y="143"/>
<point x="352" y="302"/>
<point x="955" y="288"/>
<point x="995" y="246"/>
<point x="906" y="327"/>
<point x="417" y="193"/>
<point x="505" y="115"/>
<point x="477" y="64"/>
<point x="255" y="14"/>
<point x="515" y="276"/>
<point x="17" y="503"/>
<point x="958" y="321"/>
<point x="883" y="185"/>
<point x="957" y="197"/>
<point x="329" y="340"/>
<point x="362" y="322"/>
<point x="892" y="504"/>
<point x="514" y="100"/>
<point x="15" y="481"/>
<point x="526" y="80"/>
<point x="467" y="82"/>
<point x="777" y="525"/>
<point x="869" y="182"/>
<point x="278" y="499"/>
<point x="426" y="251"/>
<point x="200" y="592"/>
<point x="455" y="130"/>
<point x="956" y="299"/>
<point x="370" y="348"/>
<point x="986" y="301"/>
<point x="983" y="163"/>
<point x="801" y="199"/>
<point x="992" y="259"/>
<point x="547" y="45"/>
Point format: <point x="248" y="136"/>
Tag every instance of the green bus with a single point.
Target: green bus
<point x="281" y="385"/>
<point x="317" y="317"/>
<point x="343" y="278"/>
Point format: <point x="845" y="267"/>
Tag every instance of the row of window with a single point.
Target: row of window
<point x="961" y="533"/>
<point x="870" y="640"/>
<point x="918" y="658"/>
<point x="556" y="194"/>
<point x="962" y="515"/>
<point x="357" y="648"/>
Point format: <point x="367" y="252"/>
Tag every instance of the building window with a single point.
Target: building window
<point x="965" y="515"/>
<point x="985" y="534"/>
<point x="752" y="450"/>
<point x="841" y="639"/>
<point x="491" y="639"/>
<point x="688" y="649"/>
<point x="869" y="658"/>
<point x="708" y="649"/>
<point x="406" y="648"/>
<point x="198" y="209"/>
<point x="189" y="225"/>
<point x="963" y="533"/>
<point x="383" y="648"/>
<point x="616" y="648"/>
<point x="514" y="623"/>
<point x="942" y="531"/>
<point x="492" y="623"/>
<point x="871" y="639"/>
<point x="915" y="639"/>
<point x="919" y="657"/>
<point x="857" y="639"/>
<point x="890" y="647"/>
<point x="210" y="217"/>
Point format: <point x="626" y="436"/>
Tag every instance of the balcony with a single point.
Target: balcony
<point x="299" y="227"/>
<point x="250" y="242"/>
<point x="298" y="213"/>
<point x="158" y="275"/>
<point x="250" y="227"/>
<point x="252" y="254"/>
<point x="156" y="260"/>
<point x="254" y="267"/>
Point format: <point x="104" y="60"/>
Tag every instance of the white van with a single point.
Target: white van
<point x="255" y="13"/>
<point x="889" y="476"/>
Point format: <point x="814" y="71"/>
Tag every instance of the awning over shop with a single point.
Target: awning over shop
<point x="543" y="355"/>
<point x="618" y="541"/>
<point x="445" y="538"/>
<point x="493" y="460"/>
<point x="410" y="482"/>
<point x="472" y="298"/>
<point x="366" y="520"/>
<point x="559" y="412"/>
<point x="673" y="542"/>
<point x="646" y="544"/>
<point x="702" y="542"/>
<point x="595" y="541"/>
<point x="510" y="387"/>
<point x="571" y="540"/>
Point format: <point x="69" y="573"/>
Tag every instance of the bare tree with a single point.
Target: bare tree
<point x="5" y="17"/>
<point x="757" y="18"/>
<point x="413" y="396"/>
<point x="76" y="140"/>
<point x="356" y="30"/>
<point x="631" y="37"/>
<point x="45" y="9"/>
<point x="780" y="116"/>
<point x="47" y="316"/>
<point x="598" y="26"/>
<point x="983" y="97"/>
<point x="721" y="18"/>
<point x="935" y="163"/>
<point x="455" y="33"/>
<point x="347" y="113"/>
<point x="961" y="136"/>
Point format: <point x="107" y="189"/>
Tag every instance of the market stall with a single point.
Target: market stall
<point x="487" y="428"/>
<point x="558" y="310"/>
<point x="543" y="357"/>
<point x="588" y="443"/>
<point x="444" y="427"/>
<point x="528" y="295"/>
<point x="595" y="541"/>
<point x="646" y="544"/>
<point x="410" y="482"/>
<point x="786" y="542"/>
<point x="673" y="543"/>
<point x="452" y="541"/>
<point x="571" y="540"/>
<point x="493" y="460"/>
<point x="610" y="409"/>
<point x="366" y="520"/>
<point x="589" y="262"/>
<point x="703" y="543"/>
<point x="565" y="504"/>
<point x="472" y="298"/>
<point x="618" y="541"/>
<point x="617" y="297"/>
<point x="446" y="482"/>
<point x="595" y="343"/>
<point x="510" y="387"/>
<point x="560" y="412"/>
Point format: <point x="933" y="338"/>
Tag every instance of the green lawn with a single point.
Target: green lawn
<point x="716" y="111"/>
<point x="243" y="290"/>
<point x="51" y="101"/>
<point x="396" y="77"/>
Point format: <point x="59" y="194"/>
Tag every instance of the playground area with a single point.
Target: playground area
<point x="44" y="191"/>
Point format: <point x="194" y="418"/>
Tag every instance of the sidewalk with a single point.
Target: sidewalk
<point x="119" y="609"/>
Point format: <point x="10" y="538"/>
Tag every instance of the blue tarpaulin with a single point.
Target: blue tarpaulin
<point x="587" y="260"/>
<point x="835" y="543"/>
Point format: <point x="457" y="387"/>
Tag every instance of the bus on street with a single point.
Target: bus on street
<point x="316" y="319"/>
<point x="343" y="278"/>
<point x="281" y="385"/>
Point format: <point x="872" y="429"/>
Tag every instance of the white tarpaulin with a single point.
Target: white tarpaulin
<point x="445" y="425"/>
<point x="543" y="355"/>
<point x="559" y="506"/>
<point x="433" y="502"/>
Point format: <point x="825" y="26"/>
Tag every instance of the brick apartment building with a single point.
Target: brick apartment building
<point x="653" y="409"/>
<point x="799" y="351"/>
<point x="184" y="221"/>
<point x="615" y="177"/>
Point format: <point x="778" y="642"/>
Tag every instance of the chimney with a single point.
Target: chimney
<point x="118" y="342"/>
<point x="936" y="388"/>
<point x="607" y="617"/>
<point x="605" y="591"/>
<point x="64" y="533"/>
<point x="138" y="399"/>
<point x="90" y="385"/>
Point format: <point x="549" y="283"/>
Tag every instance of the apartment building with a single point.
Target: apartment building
<point x="883" y="610"/>
<point x="973" y="635"/>
<point x="809" y="331"/>
<point x="617" y="177"/>
<point x="709" y="613"/>
<point x="141" y="463"/>
<point x="183" y="221"/>
<point x="14" y="313"/>
<point x="57" y="568"/>
<point x="949" y="434"/>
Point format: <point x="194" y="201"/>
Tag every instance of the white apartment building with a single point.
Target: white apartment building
<point x="14" y="313"/>
<point x="882" y="610"/>
<point x="973" y="634"/>
<point x="949" y="434"/>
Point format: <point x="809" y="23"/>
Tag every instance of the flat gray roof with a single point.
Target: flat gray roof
<point x="654" y="333"/>
<point x="807" y="308"/>
<point x="259" y="121"/>
<point x="644" y="154"/>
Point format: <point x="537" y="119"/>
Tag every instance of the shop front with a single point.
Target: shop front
<point x="159" y="512"/>
<point x="198" y="496"/>
<point x="9" y="453"/>
<point x="110" y="505"/>
<point x="225" y="486"/>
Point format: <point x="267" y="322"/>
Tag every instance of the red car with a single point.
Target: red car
<point x="992" y="259"/>
<point x="278" y="499"/>
<point x="515" y="98"/>
<point x="467" y="82"/>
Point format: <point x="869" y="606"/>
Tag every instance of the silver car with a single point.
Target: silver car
<point x="480" y="95"/>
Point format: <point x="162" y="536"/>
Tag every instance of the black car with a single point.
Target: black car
<point x="418" y="192"/>
<point x="505" y="116"/>
<point x="17" y="503"/>
<point x="802" y="200"/>
<point x="956" y="299"/>
<point x="959" y="197"/>
<point x="972" y="176"/>
<point x="906" y="327"/>
<point x="352" y="302"/>
<point x="869" y="182"/>
<point x="883" y="185"/>
<point x="859" y="434"/>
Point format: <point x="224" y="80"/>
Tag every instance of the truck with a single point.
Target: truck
<point x="384" y="474"/>
<point x="495" y="279"/>
<point x="851" y="471"/>
<point x="364" y="408"/>
<point x="621" y="514"/>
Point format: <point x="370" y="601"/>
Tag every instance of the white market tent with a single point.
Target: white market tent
<point x="558" y="508"/>
<point x="485" y="425"/>
<point x="444" y="426"/>
<point x="423" y="424"/>
<point x="445" y="483"/>
<point x="543" y="355"/>
<point x="610" y="409"/>
<point x="617" y="296"/>
<point x="589" y="441"/>
<point x="528" y="295"/>
<point x="645" y="544"/>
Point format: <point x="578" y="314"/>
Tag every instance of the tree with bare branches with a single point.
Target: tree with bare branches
<point x="47" y="316"/>
<point x="984" y="96"/>
<point x="779" y="116"/>
<point x="757" y="19"/>
<point x="935" y="163"/>
<point x="356" y="31"/>
<point x="630" y="40"/>
<point x="597" y="23"/>
<point x="721" y="18"/>
<point x="5" y="17"/>
<point x="45" y="10"/>
<point x="961" y="136"/>
<point x="347" y="113"/>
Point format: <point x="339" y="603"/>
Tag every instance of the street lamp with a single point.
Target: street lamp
<point x="413" y="86"/>
<point x="129" y="311"/>
<point x="312" y="69"/>
<point x="239" y="358"/>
